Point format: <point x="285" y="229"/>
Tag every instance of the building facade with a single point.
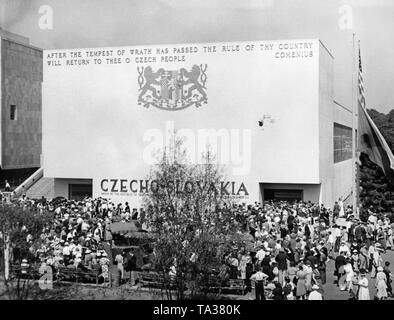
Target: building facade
<point x="265" y="108"/>
<point x="21" y="75"/>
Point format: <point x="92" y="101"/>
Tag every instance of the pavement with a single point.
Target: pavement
<point x="332" y="292"/>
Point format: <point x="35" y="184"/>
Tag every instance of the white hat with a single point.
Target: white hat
<point x="315" y="287"/>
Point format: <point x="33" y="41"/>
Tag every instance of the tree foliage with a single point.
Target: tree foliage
<point x="190" y="217"/>
<point x="19" y="221"/>
<point x="16" y="223"/>
<point x="376" y="191"/>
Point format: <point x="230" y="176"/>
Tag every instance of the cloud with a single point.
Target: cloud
<point x="13" y="11"/>
<point x="219" y="4"/>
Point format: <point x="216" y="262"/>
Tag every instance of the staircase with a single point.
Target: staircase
<point x="36" y="186"/>
<point x="44" y="187"/>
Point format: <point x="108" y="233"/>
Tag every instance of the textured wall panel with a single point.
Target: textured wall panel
<point x="21" y="85"/>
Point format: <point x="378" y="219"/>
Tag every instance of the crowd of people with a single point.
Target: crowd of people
<point x="76" y="238"/>
<point x="292" y="244"/>
<point x="286" y="259"/>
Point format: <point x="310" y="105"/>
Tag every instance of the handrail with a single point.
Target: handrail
<point x="28" y="183"/>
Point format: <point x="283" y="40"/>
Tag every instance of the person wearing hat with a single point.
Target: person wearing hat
<point x="340" y="262"/>
<point x="260" y="254"/>
<point x="387" y="272"/>
<point x="88" y="258"/>
<point x="363" y="258"/>
<point x="360" y="233"/>
<point x="322" y="265"/>
<point x="331" y="244"/>
<point x="104" y="263"/>
<point x="281" y="259"/>
<point x="355" y="260"/>
<point x="363" y="291"/>
<point x="354" y="246"/>
<point x="24" y="267"/>
<point x="377" y="260"/>
<point x="345" y="248"/>
<point x="336" y="210"/>
<point x="288" y="288"/>
<point x="308" y="275"/>
<point x="381" y="284"/>
<point x="389" y="233"/>
<point x="348" y="268"/>
<point x="315" y="294"/>
<point x="301" y="288"/>
<point x="119" y="262"/>
<point x="337" y="234"/>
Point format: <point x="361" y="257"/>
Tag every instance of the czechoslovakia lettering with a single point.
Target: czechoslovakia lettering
<point x="224" y="188"/>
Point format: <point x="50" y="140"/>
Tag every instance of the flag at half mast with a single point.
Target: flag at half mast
<point x="371" y="141"/>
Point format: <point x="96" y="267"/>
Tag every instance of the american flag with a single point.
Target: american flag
<point x="371" y="140"/>
<point x="361" y="96"/>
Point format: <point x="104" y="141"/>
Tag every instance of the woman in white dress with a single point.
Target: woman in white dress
<point x="308" y="276"/>
<point x="363" y="291"/>
<point x="349" y="275"/>
<point x="244" y="259"/>
<point x="381" y="284"/>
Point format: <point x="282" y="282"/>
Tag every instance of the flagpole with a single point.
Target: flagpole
<point x="354" y="191"/>
<point x="357" y="154"/>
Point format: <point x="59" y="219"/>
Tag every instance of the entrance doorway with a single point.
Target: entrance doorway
<point x="283" y="195"/>
<point x="78" y="192"/>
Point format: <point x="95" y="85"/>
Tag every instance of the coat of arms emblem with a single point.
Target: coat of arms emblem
<point x="172" y="89"/>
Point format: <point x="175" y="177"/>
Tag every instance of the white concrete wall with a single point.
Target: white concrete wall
<point x="326" y="116"/>
<point x="343" y="170"/>
<point x="92" y="121"/>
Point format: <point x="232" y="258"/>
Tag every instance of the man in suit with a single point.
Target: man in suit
<point x="134" y="214"/>
<point x="131" y="266"/>
<point x="340" y="262"/>
<point x="281" y="259"/>
<point x="336" y="211"/>
<point x="360" y="233"/>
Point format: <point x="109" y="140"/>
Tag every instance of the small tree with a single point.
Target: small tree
<point x="188" y="212"/>
<point x="16" y="222"/>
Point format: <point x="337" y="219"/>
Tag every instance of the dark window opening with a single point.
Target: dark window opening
<point x="283" y="195"/>
<point x="78" y="192"/>
<point x="13" y="112"/>
<point x="343" y="143"/>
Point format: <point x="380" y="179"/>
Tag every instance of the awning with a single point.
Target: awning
<point x="140" y="235"/>
<point x="124" y="227"/>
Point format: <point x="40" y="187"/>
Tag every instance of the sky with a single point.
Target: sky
<point x="97" y="23"/>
